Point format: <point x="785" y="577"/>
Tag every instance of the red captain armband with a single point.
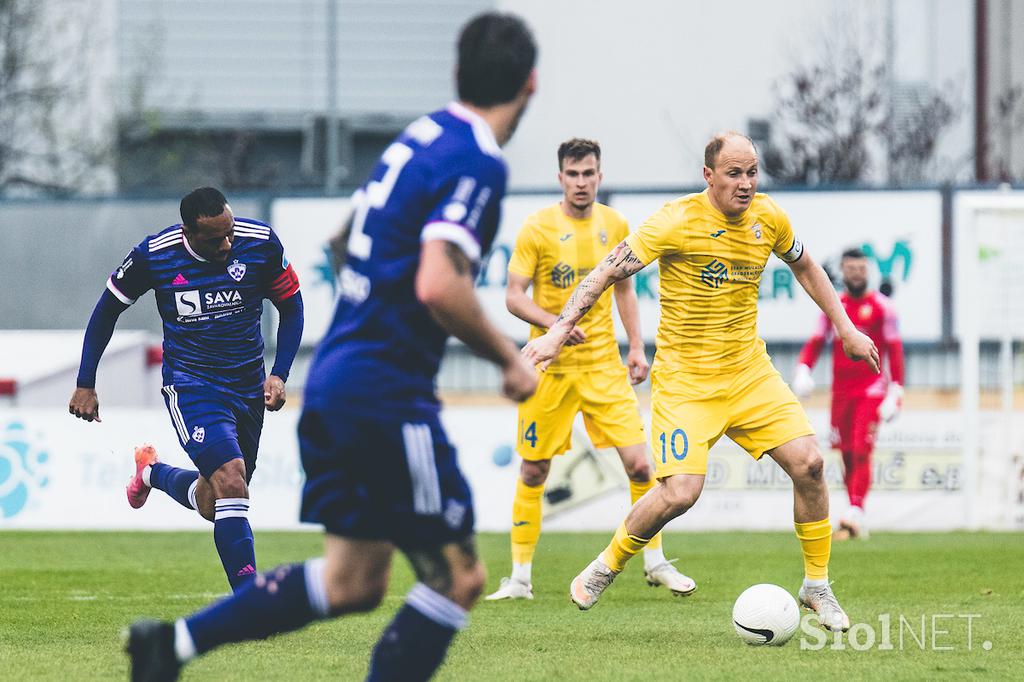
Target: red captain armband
<point x="285" y="286"/>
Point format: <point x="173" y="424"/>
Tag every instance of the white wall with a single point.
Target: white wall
<point x="653" y="80"/>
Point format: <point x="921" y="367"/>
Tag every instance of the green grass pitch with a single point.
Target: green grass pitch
<point x="64" y="598"/>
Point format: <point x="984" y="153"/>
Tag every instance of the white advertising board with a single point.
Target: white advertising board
<point x="57" y="472"/>
<point x="305" y="226"/>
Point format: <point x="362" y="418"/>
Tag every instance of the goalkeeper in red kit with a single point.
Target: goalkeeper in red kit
<point x="860" y="398"/>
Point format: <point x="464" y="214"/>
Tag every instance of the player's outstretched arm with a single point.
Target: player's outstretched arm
<point x="526" y="309"/>
<point x="617" y="265"/>
<point x="444" y="284"/>
<point x="816" y="283"/>
<point x="84" y="403"/>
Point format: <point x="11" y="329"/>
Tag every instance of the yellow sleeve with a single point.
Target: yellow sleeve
<point x="657" y="236"/>
<point x="787" y="246"/>
<point x="524" y="256"/>
<point x="621" y="229"/>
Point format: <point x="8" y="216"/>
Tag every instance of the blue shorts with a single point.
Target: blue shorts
<point x="215" y="427"/>
<point x="383" y="478"/>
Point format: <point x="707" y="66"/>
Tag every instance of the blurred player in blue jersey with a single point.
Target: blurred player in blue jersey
<point x="380" y="471"/>
<point x="210" y="275"/>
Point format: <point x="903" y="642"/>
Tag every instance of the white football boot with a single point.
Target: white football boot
<point x="822" y="601"/>
<point x="511" y="589"/>
<point x="666" y="574"/>
<point x="586" y="588"/>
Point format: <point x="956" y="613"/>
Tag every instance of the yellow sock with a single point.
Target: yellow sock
<point x="816" y="542"/>
<point x="526" y="521"/>
<point x="622" y="548"/>
<point x="636" y="491"/>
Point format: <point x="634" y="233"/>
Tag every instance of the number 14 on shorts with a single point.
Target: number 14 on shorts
<point x="528" y="434"/>
<point x="675" y="443"/>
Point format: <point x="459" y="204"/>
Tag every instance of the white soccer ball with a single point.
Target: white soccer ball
<point x="765" y="614"/>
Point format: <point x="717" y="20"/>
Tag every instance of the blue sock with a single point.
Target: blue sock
<point x="285" y="599"/>
<point x="175" y="482"/>
<point x="414" y="644"/>
<point x="233" y="537"/>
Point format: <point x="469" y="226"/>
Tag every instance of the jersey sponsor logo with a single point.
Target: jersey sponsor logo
<point x="563" y="275"/>
<point x="236" y="270"/>
<point x="187" y="303"/>
<point x="199" y="434"/>
<point x="716" y="235"/>
<point x="179" y="281"/>
<point x="714" y="273"/>
<point x="194" y="305"/>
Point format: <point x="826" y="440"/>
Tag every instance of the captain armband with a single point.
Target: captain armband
<point x="794" y="253"/>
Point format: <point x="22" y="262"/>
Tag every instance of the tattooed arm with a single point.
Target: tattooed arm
<point x="444" y="284"/>
<point x="616" y="266"/>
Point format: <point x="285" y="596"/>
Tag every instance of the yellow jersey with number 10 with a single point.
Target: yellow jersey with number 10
<point x="556" y="252"/>
<point x="710" y="273"/>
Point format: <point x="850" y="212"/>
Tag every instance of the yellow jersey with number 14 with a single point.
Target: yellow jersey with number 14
<point x="556" y="252"/>
<point x="711" y="269"/>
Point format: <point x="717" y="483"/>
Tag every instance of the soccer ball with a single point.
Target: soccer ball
<point x="765" y="614"/>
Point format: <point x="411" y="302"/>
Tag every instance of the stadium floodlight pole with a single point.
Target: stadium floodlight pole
<point x="331" y="157"/>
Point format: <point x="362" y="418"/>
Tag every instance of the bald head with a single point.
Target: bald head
<point x="731" y="141"/>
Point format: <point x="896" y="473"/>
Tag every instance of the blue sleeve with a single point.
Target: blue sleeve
<point x="97" y="336"/>
<point x="131" y="279"/>
<point x="467" y="205"/>
<point x="289" y="334"/>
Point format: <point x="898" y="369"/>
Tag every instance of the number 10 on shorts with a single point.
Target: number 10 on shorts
<point x="528" y="433"/>
<point x="676" y="443"/>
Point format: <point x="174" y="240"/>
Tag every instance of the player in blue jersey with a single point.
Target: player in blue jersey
<point x="210" y="275"/>
<point x="380" y="471"/>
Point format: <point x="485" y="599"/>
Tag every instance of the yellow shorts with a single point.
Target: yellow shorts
<point x="605" y="397"/>
<point x="690" y="412"/>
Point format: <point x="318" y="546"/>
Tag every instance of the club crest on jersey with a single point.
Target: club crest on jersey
<point x="236" y="270"/>
<point x="199" y="434"/>
<point x="756" y="229"/>
<point x="603" y="236"/>
<point x="864" y="311"/>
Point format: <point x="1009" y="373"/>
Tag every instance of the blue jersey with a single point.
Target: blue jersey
<point x="211" y="312"/>
<point x="442" y="178"/>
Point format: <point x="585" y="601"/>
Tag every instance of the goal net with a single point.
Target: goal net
<point x="989" y="310"/>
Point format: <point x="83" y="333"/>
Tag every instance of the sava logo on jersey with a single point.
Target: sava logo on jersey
<point x="194" y="305"/>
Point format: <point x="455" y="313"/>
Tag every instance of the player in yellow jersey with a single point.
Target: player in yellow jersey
<point x="557" y="246"/>
<point x="712" y="376"/>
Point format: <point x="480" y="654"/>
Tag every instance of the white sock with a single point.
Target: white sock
<point x="522" y="573"/>
<point x="192" y="494"/>
<point x="146" y="471"/>
<point x="815" y="583"/>
<point x="653" y="557"/>
<point x="184" y="647"/>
